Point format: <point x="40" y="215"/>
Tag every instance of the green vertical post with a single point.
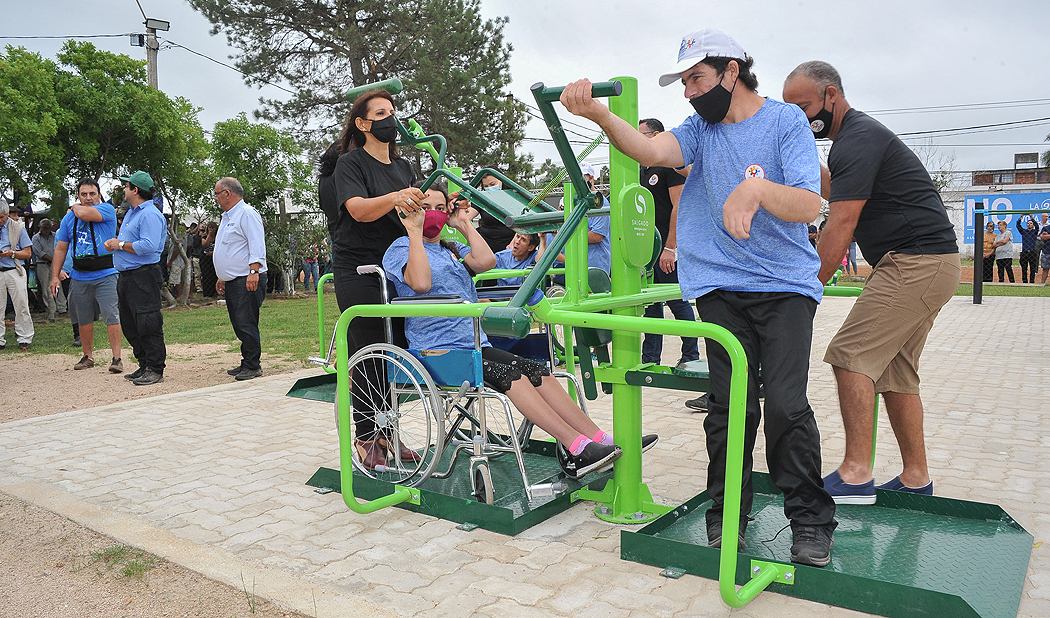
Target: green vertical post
<point x="572" y="295"/>
<point x="626" y="499"/>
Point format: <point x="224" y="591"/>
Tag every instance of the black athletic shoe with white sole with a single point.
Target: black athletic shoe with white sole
<point x="714" y="536"/>
<point x="593" y="456"/>
<point x="812" y="544"/>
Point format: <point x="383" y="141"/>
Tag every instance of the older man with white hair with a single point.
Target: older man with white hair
<point x="15" y="249"/>
<point x="240" y="264"/>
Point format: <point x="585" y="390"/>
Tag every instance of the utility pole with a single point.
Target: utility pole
<point x="152" y="26"/>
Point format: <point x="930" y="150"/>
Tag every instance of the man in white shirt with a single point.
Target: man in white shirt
<point x="240" y="265"/>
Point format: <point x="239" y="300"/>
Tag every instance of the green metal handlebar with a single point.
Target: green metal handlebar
<point x="544" y="94"/>
<point x="393" y="86"/>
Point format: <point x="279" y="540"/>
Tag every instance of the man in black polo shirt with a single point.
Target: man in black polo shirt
<point x="666" y="186"/>
<point x="881" y="194"/>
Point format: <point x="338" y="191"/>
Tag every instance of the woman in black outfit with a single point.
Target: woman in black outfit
<point x="373" y="185"/>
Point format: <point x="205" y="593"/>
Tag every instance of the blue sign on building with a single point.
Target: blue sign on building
<point x="1003" y="201"/>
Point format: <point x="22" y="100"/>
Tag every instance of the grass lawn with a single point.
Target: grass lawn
<point x="288" y="327"/>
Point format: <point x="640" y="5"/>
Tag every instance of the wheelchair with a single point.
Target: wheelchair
<point x="432" y="406"/>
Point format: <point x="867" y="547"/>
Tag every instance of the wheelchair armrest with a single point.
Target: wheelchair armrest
<point x="498" y="292"/>
<point x="427" y="298"/>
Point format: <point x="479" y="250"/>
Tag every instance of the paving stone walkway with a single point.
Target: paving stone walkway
<point x="214" y="479"/>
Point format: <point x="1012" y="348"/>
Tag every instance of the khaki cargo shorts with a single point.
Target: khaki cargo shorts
<point x="885" y="332"/>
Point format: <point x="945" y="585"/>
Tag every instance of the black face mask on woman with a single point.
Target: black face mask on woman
<point x="384" y="129"/>
<point x="714" y="104"/>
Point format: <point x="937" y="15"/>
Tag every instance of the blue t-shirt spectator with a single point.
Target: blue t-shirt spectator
<point x="778" y="256"/>
<point x="447" y="276"/>
<point x="104" y="230"/>
<point x="506" y="259"/>
<point x="599" y="254"/>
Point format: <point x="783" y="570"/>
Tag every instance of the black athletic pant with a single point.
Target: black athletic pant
<point x="652" y="345"/>
<point x="1029" y="262"/>
<point x="1005" y="264"/>
<point x="369" y="389"/>
<point x="776" y="332"/>
<point x="65" y="290"/>
<point x="243" y="306"/>
<point x="138" y="298"/>
<point x="989" y="268"/>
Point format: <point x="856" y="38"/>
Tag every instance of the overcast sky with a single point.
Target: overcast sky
<point x="891" y="55"/>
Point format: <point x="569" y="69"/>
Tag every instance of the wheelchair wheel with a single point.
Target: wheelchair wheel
<point x="399" y="392"/>
<point x="482" y="484"/>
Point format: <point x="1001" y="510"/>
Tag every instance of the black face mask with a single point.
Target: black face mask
<point x="820" y="123"/>
<point x="713" y="105"/>
<point x="384" y="129"/>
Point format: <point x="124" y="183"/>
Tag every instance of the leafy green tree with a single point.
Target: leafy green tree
<point x="31" y="157"/>
<point x="270" y="166"/>
<point x="454" y="64"/>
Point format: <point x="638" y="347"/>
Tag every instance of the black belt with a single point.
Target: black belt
<point x="131" y="270"/>
<point x="4" y="269"/>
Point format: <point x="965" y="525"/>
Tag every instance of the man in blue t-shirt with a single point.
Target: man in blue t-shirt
<point x="744" y="254"/>
<point x="520" y="254"/>
<point x="93" y="292"/>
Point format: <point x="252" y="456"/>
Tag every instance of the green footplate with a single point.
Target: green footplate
<point x="908" y="555"/>
<point x="452" y="499"/>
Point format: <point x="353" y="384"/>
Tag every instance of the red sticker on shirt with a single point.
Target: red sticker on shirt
<point x="653" y="180"/>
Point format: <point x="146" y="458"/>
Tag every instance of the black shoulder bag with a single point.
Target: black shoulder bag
<point x="95" y="261"/>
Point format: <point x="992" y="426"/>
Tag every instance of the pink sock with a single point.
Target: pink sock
<point x="579" y="444"/>
<point x="603" y="438"/>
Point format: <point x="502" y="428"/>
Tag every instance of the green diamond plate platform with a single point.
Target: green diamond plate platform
<point x="907" y="556"/>
<point x="451" y="499"/>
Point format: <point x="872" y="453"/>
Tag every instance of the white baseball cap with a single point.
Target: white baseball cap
<point x="705" y="43"/>
<point x="587" y="169"/>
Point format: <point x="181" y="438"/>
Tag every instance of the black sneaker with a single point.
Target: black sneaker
<point x="812" y="544"/>
<point x="76" y="342"/>
<point x="248" y="374"/>
<point x="594" y="456"/>
<point x="699" y="404"/>
<point x="235" y="370"/>
<point x="148" y="377"/>
<point x="714" y="535"/>
<point x="648" y="442"/>
<point x="135" y="374"/>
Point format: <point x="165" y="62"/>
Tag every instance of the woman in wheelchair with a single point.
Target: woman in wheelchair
<point x="422" y="263"/>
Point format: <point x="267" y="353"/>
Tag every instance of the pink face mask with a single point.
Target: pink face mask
<point x="433" y="221"/>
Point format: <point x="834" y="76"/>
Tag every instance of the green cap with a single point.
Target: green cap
<point x="140" y="179"/>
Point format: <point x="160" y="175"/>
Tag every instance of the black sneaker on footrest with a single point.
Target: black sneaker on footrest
<point x="714" y="535"/>
<point x="812" y="544"/>
<point x="593" y="456"/>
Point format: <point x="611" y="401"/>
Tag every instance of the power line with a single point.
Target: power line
<point x="564" y="121"/>
<point x="1035" y="144"/>
<point x="171" y="43"/>
<point x="563" y="128"/>
<point x="998" y="125"/>
<point x="963" y="106"/>
<point x="74" y="36"/>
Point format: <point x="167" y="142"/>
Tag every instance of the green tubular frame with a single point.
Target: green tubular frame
<point x="629" y="498"/>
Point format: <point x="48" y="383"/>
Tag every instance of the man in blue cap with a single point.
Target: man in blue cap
<point x="744" y="254"/>
<point x="136" y="256"/>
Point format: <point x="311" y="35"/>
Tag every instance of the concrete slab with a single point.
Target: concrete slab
<point x="213" y="479"/>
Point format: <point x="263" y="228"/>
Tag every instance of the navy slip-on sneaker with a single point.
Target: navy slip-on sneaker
<point x="846" y="493"/>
